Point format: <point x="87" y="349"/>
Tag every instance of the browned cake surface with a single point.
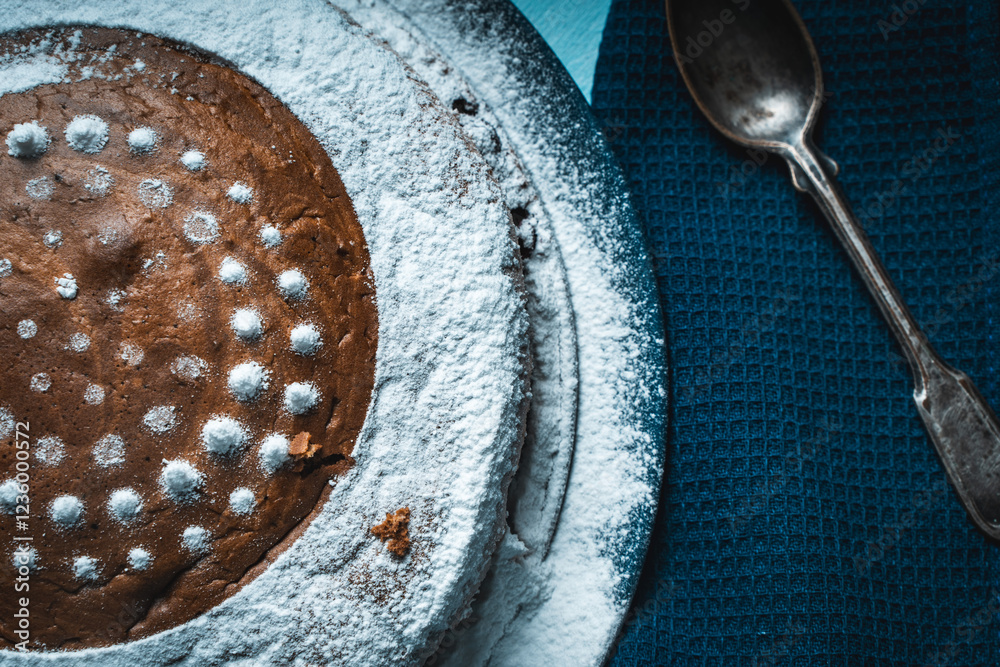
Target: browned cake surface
<point x="148" y="297"/>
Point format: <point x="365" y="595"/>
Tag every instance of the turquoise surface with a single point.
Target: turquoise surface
<point x="573" y="30"/>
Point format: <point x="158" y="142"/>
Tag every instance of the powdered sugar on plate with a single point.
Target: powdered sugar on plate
<point x="451" y="361"/>
<point x="563" y="605"/>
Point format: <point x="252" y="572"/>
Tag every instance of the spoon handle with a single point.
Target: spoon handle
<point x="963" y="428"/>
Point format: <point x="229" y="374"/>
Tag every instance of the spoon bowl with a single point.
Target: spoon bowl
<point x="756" y="89"/>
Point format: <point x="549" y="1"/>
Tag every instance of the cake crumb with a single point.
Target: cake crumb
<point x="301" y="448"/>
<point x="395" y="531"/>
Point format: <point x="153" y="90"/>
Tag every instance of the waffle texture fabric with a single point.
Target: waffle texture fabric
<point x="805" y="518"/>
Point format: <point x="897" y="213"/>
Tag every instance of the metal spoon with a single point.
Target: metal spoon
<point x="754" y="72"/>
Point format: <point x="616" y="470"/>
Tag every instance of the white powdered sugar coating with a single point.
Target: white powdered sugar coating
<point x="270" y="236"/>
<point x="115" y="299"/>
<point x="201" y="227"/>
<point x="6" y="267"/>
<point x="161" y="419"/>
<point x="131" y="353"/>
<point x="94" y="394"/>
<point x="98" y="181"/>
<point x="193" y="160"/>
<point x="232" y="272"/>
<point x="7" y="422"/>
<point x="142" y="140"/>
<point x="246" y="323"/>
<point x="293" y="284"/>
<point x="563" y="607"/>
<point x="195" y="539"/>
<point x="242" y="501"/>
<point x="66" y="511"/>
<point x="40" y="382"/>
<point x="273" y="453"/>
<point x="40" y="188"/>
<point x="305" y="339"/>
<point x="9" y="491"/>
<point x="28" y="140"/>
<point x="154" y="193"/>
<point x="247" y="381"/>
<point x="66" y="286"/>
<point x="189" y="367"/>
<point x="109" y="451"/>
<point x="124" y="505"/>
<point x="240" y="192"/>
<point x="223" y="436"/>
<point x="52" y="238"/>
<point x="24" y="557"/>
<point x="301" y="397"/>
<point x="87" y="134"/>
<point x="451" y="359"/>
<point x="139" y="559"/>
<point x="180" y="480"/>
<point x="188" y="311"/>
<point x="86" y="568"/>
<point x="79" y="342"/>
<point x="27" y="329"/>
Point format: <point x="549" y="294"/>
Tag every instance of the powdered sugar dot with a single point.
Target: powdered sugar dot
<point x="155" y="193"/>
<point x="6" y="422"/>
<point x="87" y="134"/>
<point x="40" y="382"/>
<point x="270" y="236"/>
<point x="94" y="395"/>
<point x="24" y="556"/>
<point x="9" y="491"/>
<point x="142" y="140"/>
<point x="86" y="568"/>
<point x="195" y="539"/>
<point x="187" y="311"/>
<point x="247" y="324"/>
<point x="27" y="329"/>
<point x="293" y="284"/>
<point x="131" y="354"/>
<point x="193" y="160"/>
<point x="79" y="342"/>
<point x="223" y="435"/>
<point x="40" y="188"/>
<point x="232" y="272"/>
<point x="180" y="480"/>
<point x="248" y="380"/>
<point x="273" y="452"/>
<point x="301" y="397"/>
<point x="188" y="367"/>
<point x="242" y="501"/>
<point x="28" y="140"/>
<point x="109" y="451"/>
<point x="115" y="299"/>
<point x="66" y="286"/>
<point x="66" y="511"/>
<point x="139" y="559"/>
<point x="306" y="340"/>
<point x="241" y="193"/>
<point x="49" y="450"/>
<point x="201" y="227"/>
<point x="124" y="505"/>
<point x="161" y="419"/>
<point x="6" y="268"/>
<point x="98" y="181"/>
<point x="52" y="238"/>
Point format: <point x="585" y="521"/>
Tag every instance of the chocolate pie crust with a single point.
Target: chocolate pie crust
<point x="144" y="285"/>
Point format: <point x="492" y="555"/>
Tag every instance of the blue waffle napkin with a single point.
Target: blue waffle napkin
<point x="805" y="518"/>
